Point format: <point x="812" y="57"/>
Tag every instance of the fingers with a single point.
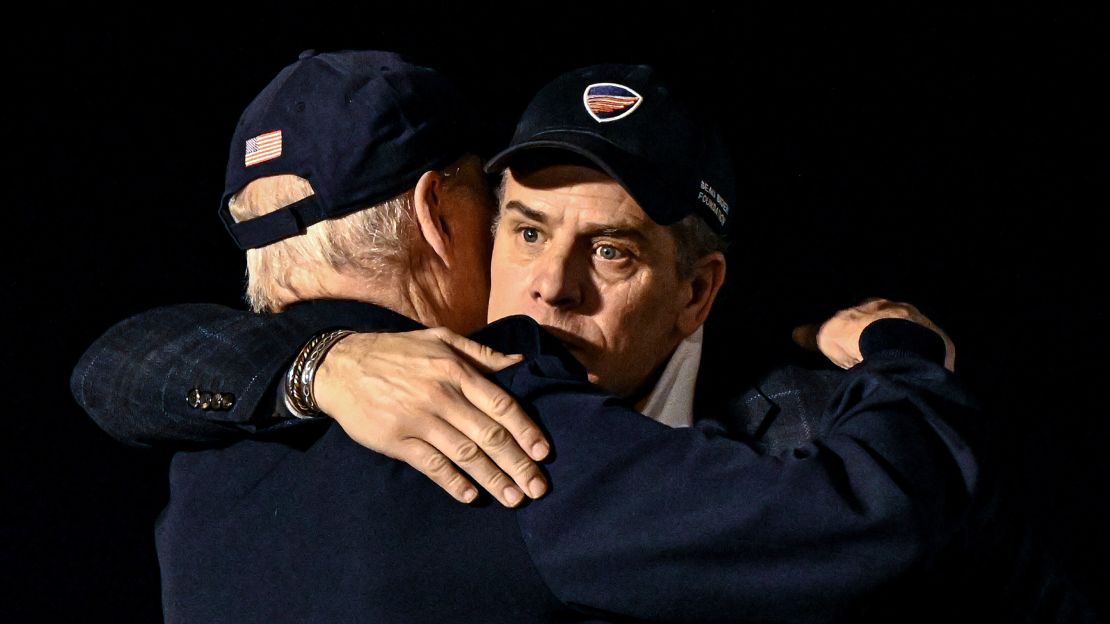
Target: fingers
<point x="465" y="453"/>
<point x="503" y="432"/>
<point x="479" y="355"/>
<point x="421" y="397"/>
<point x="838" y="337"/>
<point x="499" y="406"/>
<point x="435" y="465"/>
<point x="491" y="399"/>
<point x="883" y="308"/>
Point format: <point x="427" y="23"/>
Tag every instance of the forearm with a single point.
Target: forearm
<point x="719" y="532"/>
<point x="135" y="380"/>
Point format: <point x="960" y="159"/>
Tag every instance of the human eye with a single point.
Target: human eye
<point x="528" y="234"/>
<point x="606" y="251"/>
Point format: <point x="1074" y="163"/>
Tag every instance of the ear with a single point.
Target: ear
<point x="709" y="276"/>
<point x="429" y="207"/>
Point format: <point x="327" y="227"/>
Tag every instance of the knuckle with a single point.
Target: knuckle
<point x="448" y="366"/>
<point x="455" y="481"/>
<point x="442" y="393"/>
<point x="501" y="404"/>
<point x="436" y="463"/>
<point x="492" y="354"/>
<point x="467" y="453"/>
<point x="454" y="367"/>
<point x="496" y="437"/>
<point x="449" y="338"/>
<point x="487" y="354"/>
<point x="497" y="480"/>
<point x="524" y="466"/>
<point x="530" y="434"/>
<point x="385" y="423"/>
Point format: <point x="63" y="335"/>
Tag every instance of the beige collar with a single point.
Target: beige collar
<point x="671" y="402"/>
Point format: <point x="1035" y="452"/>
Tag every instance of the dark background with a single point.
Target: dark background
<point x="955" y="159"/>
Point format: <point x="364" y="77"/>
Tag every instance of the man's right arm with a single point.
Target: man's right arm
<point x="191" y="373"/>
<point x="204" y="375"/>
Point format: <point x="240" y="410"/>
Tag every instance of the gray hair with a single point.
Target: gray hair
<point x="368" y="243"/>
<point x="694" y="240"/>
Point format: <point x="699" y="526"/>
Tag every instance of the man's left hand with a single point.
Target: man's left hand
<point x="838" y="337"/>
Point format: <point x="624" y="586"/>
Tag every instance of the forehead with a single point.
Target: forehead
<point x="572" y="192"/>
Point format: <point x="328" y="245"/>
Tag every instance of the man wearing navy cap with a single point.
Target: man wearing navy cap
<point x="642" y="521"/>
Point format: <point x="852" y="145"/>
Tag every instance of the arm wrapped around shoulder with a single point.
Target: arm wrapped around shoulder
<point x="685" y="525"/>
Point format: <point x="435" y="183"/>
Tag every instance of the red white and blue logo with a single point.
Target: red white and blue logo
<point x="608" y="101"/>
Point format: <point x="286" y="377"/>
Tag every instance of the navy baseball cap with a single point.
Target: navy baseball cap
<point x="627" y="121"/>
<point x="360" y="126"/>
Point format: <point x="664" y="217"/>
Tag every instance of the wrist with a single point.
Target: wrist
<point x="328" y="385"/>
<point x="300" y="380"/>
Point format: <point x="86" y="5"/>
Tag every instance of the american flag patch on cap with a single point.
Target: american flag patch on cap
<point x="262" y="148"/>
<point x="607" y="101"/>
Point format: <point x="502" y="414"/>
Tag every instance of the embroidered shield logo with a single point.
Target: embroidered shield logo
<point x="608" y="101"/>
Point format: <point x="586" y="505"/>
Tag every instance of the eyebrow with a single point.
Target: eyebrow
<point x="528" y="213"/>
<point x="616" y="232"/>
<point x="591" y="230"/>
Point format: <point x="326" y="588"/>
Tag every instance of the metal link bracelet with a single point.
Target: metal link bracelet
<point x="302" y="374"/>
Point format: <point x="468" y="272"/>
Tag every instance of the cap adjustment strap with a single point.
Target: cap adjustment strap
<point x="282" y="223"/>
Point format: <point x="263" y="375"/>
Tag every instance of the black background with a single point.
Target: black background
<point x="955" y="159"/>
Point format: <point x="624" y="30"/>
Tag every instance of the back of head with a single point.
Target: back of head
<point x="366" y="245"/>
<point x="323" y="161"/>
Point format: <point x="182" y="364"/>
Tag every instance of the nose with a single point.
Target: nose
<point x="557" y="279"/>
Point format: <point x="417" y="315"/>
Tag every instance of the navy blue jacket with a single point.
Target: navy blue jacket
<point x="642" y="521"/>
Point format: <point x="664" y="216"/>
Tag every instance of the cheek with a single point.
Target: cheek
<point x="497" y="297"/>
<point x="642" y="314"/>
<point x="623" y="315"/>
<point x="505" y="287"/>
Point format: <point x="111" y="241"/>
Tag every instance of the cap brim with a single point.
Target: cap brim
<point x="642" y="179"/>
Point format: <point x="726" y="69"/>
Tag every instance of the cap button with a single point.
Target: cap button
<point x="309" y="53"/>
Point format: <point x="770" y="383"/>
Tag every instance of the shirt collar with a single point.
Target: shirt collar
<point x="671" y="402"/>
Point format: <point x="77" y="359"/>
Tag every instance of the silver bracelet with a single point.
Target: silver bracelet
<point x="299" y="380"/>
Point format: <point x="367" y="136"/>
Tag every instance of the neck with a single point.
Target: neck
<point x="424" y="291"/>
<point x="640" y="397"/>
<point x="399" y="290"/>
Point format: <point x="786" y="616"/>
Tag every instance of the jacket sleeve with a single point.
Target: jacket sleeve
<point x="135" y="379"/>
<point x="683" y="525"/>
